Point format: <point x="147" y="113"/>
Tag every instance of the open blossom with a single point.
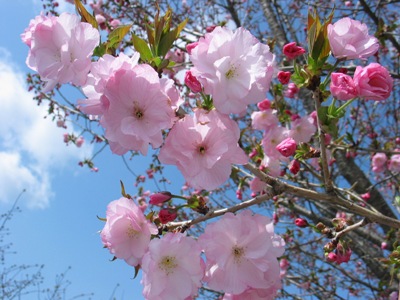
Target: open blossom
<point x="349" y="39"/>
<point x="373" y="82"/>
<point x="379" y="162"/>
<point x="291" y="50"/>
<point x="271" y="139"/>
<point x="60" y="49"/>
<point x="264" y="120"/>
<point x="302" y="129"/>
<point x="127" y="232"/>
<point x="240" y="249"/>
<point x="204" y="147"/>
<point x="342" y="86"/>
<point x="233" y="67"/>
<point x="172" y="268"/>
<point x="100" y="72"/>
<point x="394" y="163"/>
<point x="138" y="110"/>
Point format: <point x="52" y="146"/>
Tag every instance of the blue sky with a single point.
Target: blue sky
<point x="58" y="226"/>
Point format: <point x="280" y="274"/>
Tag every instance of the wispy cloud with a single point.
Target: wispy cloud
<point x="31" y="146"/>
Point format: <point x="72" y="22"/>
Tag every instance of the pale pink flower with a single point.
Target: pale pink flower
<point x="127" y="232"/>
<point x="379" y="162"/>
<point x="373" y="82"/>
<point x="271" y="139"/>
<point x="272" y="165"/>
<point x="233" y="67"/>
<point x="342" y="86"/>
<point x="349" y="39"/>
<point x="267" y="293"/>
<point x="264" y="120"/>
<point x="239" y="250"/>
<point x="100" y="72"/>
<point x="172" y="268"/>
<point x="61" y="50"/>
<point x="138" y="110"/>
<point x="26" y="36"/>
<point x="79" y="141"/>
<point x="287" y="147"/>
<point x="394" y="163"/>
<point x="115" y="23"/>
<point x="302" y="129"/>
<point x="257" y="186"/>
<point x="204" y="147"/>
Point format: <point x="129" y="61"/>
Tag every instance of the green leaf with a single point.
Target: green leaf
<point x="100" y="50"/>
<point x="117" y="35"/>
<point x="142" y="47"/>
<point x="123" y="191"/>
<point x="85" y="15"/>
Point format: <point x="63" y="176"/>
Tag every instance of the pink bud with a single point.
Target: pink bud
<point x="192" y="82"/>
<point x="291" y="50"/>
<point x="239" y="194"/>
<point x="287" y="147"/>
<point x="284" y="77"/>
<point x="167" y="215"/>
<point x="264" y="105"/>
<point x="66" y="137"/>
<point x="331" y="257"/>
<point x="384" y="245"/>
<point x="294" y="166"/>
<point x="79" y="141"/>
<point x="210" y="29"/>
<point x="366" y="196"/>
<point x="302" y="223"/>
<point x="159" y="198"/>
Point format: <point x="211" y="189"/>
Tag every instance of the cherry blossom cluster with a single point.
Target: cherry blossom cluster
<point x="240" y="254"/>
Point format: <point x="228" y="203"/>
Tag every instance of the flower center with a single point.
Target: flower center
<point x="202" y="149"/>
<point x="231" y="73"/>
<point x="137" y="111"/>
<point x="130" y="232"/>
<point x="168" y="264"/>
<point x="238" y="253"/>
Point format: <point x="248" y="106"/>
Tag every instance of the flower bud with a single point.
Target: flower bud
<point x="291" y="50"/>
<point x="192" y="82"/>
<point x="331" y="257"/>
<point x="284" y="77"/>
<point x="294" y="166"/>
<point x="167" y="215"/>
<point x="159" y="198"/>
<point x="287" y="147"/>
<point x="302" y="223"/>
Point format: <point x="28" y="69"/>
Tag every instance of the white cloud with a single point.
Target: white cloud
<point x="31" y="147"/>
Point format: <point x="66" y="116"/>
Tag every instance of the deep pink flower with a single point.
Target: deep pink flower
<point x="294" y="166"/>
<point x="300" y="222"/>
<point x="239" y="250"/>
<point x="159" y="198"/>
<point x="379" y="162"/>
<point x="365" y="196"/>
<point x="172" y="268"/>
<point x="167" y="215"/>
<point x="138" y="110"/>
<point x="331" y="257"/>
<point x="342" y="86"/>
<point x="190" y="47"/>
<point x="284" y="77"/>
<point x="127" y="232"/>
<point x="373" y="82"/>
<point x="233" y="67"/>
<point x="291" y="90"/>
<point x="343" y="253"/>
<point x="264" y="105"/>
<point x="291" y="50"/>
<point x="204" y="147"/>
<point x="287" y="147"/>
<point x="192" y="82"/>
<point x="349" y="39"/>
<point x="61" y="49"/>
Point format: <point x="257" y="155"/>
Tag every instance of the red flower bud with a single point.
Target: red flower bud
<point x="159" y="198"/>
<point x="167" y="215"/>
<point x="284" y="77"/>
<point x="291" y="50"/>
<point x="302" y="223"/>
<point x="192" y="82"/>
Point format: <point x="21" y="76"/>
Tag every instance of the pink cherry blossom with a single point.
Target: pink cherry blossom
<point x="264" y="120"/>
<point x="127" y="232"/>
<point x="291" y="50"/>
<point x="394" y="163"/>
<point x="287" y="147"/>
<point x="272" y="165"/>
<point x="302" y="129"/>
<point x="379" y="162"/>
<point x="61" y="49"/>
<point x="26" y="36"/>
<point x="172" y="268"/>
<point x="373" y="82"/>
<point x="239" y="250"/>
<point x="233" y="67"/>
<point x="100" y="72"/>
<point x="192" y="82"/>
<point x="271" y="139"/>
<point x="257" y="186"/>
<point x="138" y="110"/>
<point x="349" y="39"/>
<point x="342" y="86"/>
<point x="203" y="147"/>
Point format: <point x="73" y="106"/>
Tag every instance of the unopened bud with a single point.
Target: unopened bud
<point x="159" y="198"/>
<point x="302" y="223"/>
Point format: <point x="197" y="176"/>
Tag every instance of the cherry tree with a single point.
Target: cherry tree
<point x="281" y="117"/>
